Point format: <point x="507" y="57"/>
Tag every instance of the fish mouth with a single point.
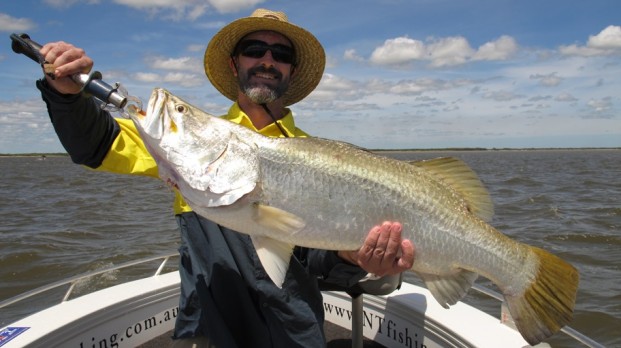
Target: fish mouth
<point x="156" y="102"/>
<point x="153" y="124"/>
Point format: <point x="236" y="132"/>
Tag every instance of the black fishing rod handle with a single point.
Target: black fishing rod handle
<point x="21" y="43"/>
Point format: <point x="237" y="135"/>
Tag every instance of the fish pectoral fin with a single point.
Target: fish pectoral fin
<point x="277" y="219"/>
<point x="274" y="256"/>
<point x="464" y="181"/>
<point x="448" y="289"/>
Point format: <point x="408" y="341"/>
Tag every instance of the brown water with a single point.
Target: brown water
<point x="59" y="220"/>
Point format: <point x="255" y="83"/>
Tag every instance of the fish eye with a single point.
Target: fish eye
<point x="180" y="108"/>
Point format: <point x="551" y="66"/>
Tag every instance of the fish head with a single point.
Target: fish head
<point x="208" y="159"/>
<point x="168" y="119"/>
<point x="176" y="132"/>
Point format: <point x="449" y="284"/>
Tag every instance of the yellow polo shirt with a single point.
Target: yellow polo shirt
<point x="128" y="154"/>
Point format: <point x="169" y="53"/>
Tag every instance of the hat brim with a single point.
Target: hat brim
<point x="310" y="56"/>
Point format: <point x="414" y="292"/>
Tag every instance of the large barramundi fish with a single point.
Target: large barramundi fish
<point x="327" y="194"/>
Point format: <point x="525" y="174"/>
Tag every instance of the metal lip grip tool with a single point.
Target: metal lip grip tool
<point x="91" y="83"/>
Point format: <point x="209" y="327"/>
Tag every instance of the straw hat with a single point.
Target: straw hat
<point x="309" y="54"/>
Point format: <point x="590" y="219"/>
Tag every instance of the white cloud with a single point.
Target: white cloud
<point x="609" y="38"/>
<point x="147" y="77"/>
<point x="549" y="80"/>
<point x="195" y="12"/>
<point x="420" y="86"/>
<point x="565" y="97"/>
<point x="335" y="83"/>
<point x="502" y="96"/>
<point x="12" y="24"/>
<point x="197" y="48"/>
<point x="606" y="43"/>
<point x="189" y="10"/>
<point x="176" y="78"/>
<point x="333" y="87"/>
<point x="176" y="64"/>
<point x="176" y="10"/>
<point x="502" y="49"/>
<point x="210" y="25"/>
<point x="351" y="54"/>
<point x="600" y="105"/>
<point x="68" y="3"/>
<point x="382" y="91"/>
<point x="229" y="6"/>
<point x="185" y="80"/>
<point x="23" y="121"/>
<point x="575" y="50"/>
<point x="17" y="107"/>
<point x="449" y="51"/>
<point x="146" y="4"/>
<point x="398" y="51"/>
<point x="441" y="52"/>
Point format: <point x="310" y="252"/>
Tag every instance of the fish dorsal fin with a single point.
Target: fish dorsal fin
<point x="274" y="256"/>
<point x="448" y="289"/>
<point x="464" y="180"/>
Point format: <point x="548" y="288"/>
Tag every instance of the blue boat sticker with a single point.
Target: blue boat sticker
<point x="10" y="333"/>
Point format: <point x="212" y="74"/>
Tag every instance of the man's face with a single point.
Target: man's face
<point x="266" y="78"/>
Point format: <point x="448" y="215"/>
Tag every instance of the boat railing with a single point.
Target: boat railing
<point x="72" y="281"/>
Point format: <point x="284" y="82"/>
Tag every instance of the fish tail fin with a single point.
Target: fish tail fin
<point x="547" y="304"/>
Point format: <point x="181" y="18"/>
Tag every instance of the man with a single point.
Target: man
<point x="264" y="63"/>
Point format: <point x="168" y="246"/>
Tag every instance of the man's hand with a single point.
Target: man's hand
<point x="67" y="60"/>
<point x="383" y="252"/>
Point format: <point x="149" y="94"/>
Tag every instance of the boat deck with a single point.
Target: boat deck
<point x="336" y="336"/>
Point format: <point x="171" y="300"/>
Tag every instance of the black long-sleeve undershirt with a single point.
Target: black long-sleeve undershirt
<point x="85" y="130"/>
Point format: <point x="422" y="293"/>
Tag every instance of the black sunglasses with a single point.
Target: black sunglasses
<point x="257" y="49"/>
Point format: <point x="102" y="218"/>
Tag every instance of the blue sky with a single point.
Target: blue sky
<point x="400" y="73"/>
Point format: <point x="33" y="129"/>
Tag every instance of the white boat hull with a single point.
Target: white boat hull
<point x="140" y="311"/>
<point x="125" y="315"/>
<point x="137" y="312"/>
<point x="411" y="317"/>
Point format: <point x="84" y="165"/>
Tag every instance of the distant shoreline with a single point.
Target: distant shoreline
<point x="382" y="150"/>
<point x="498" y="149"/>
<point x="34" y="155"/>
<point x="388" y="152"/>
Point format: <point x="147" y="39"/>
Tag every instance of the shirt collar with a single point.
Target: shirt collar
<point x="238" y="116"/>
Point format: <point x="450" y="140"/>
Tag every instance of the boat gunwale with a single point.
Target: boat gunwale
<point x="72" y="281"/>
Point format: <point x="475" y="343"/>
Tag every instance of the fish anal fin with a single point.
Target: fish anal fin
<point x="276" y="219"/>
<point x="547" y="304"/>
<point x="274" y="256"/>
<point x="464" y="181"/>
<point x="448" y="289"/>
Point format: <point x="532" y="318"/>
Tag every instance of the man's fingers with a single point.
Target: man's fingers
<point x="66" y="59"/>
<point x="380" y="251"/>
<point x="382" y="241"/>
<point x="366" y="252"/>
<point x="406" y="260"/>
<point x="393" y="234"/>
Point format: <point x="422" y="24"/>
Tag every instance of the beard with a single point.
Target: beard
<point x="261" y="93"/>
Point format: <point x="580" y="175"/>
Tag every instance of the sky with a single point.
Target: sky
<point x="400" y="74"/>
